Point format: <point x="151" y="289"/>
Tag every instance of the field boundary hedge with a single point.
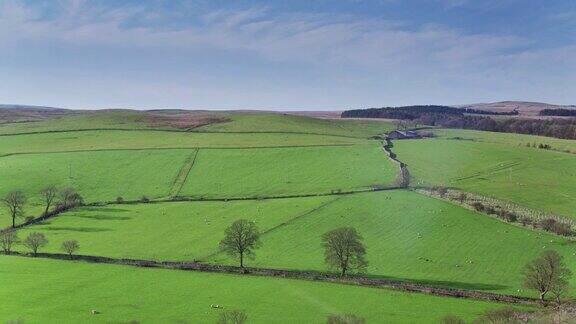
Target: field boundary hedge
<point x="295" y="274"/>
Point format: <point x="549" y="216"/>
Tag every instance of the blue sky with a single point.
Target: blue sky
<point x="300" y="55"/>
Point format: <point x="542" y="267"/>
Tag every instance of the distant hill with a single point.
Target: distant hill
<point x="525" y="108"/>
<point x="23" y="113"/>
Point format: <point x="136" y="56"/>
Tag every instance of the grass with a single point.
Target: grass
<point x="50" y="291"/>
<point x="165" y="231"/>
<point x="97" y="175"/>
<point x="137" y="139"/>
<point x="535" y="178"/>
<point x="286" y="171"/>
<point x="389" y="222"/>
<point x="275" y="122"/>
<point x="507" y="138"/>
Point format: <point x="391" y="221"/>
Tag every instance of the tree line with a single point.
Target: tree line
<point x="446" y="117"/>
<point x="59" y="199"/>
<point x="558" y="112"/>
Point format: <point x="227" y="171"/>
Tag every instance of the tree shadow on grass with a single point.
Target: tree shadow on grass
<point x="104" y="217"/>
<point x="446" y="283"/>
<point x="77" y="229"/>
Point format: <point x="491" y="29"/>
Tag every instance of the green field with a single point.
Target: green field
<point x="48" y="291"/>
<point x="97" y="175"/>
<point x="166" y="231"/>
<point x="125" y="139"/>
<point x="275" y="122"/>
<point x="287" y="171"/>
<point x="507" y="138"/>
<point x="535" y="178"/>
<point x="389" y="221"/>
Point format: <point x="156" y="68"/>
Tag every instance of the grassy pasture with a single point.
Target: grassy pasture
<point x="165" y="231"/>
<point x="536" y="178"/>
<point x="286" y="171"/>
<point x="124" y="139"/>
<point x="390" y="223"/>
<point x="275" y="122"/>
<point x="52" y="291"/>
<point x="97" y="175"/>
<point x="507" y="138"/>
<point x="85" y="120"/>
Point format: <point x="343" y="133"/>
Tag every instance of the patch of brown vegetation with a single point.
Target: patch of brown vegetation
<point x="182" y="120"/>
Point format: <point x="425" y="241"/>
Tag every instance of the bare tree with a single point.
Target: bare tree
<point x="343" y="249"/>
<point x="15" y="201"/>
<point x="48" y="195"/>
<point x="345" y="319"/>
<point x="8" y="238"/>
<point x="240" y="239"/>
<point x="548" y="273"/>
<point x="69" y="197"/>
<point x="462" y="197"/>
<point x="35" y="241"/>
<point x="70" y="247"/>
<point x="233" y="317"/>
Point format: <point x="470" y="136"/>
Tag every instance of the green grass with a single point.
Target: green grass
<point x="85" y="120"/>
<point x="118" y="139"/>
<point x="276" y="122"/>
<point x="165" y="231"/>
<point x="97" y="175"/>
<point x="49" y="291"/>
<point x="507" y="138"/>
<point x="389" y="221"/>
<point x="535" y="178"/>
<point x="287" y="171"/>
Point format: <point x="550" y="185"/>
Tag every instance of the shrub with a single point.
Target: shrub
<point x="345" y="319"/>
<point x="69" y="247"/>
<point x="503" y="315"/>
<point x="552" y="225"/>
<point x="478" y="206"/>
<point x="144" y="199"/>
<point x="525" y="221"/>
<point x="119" y="199"/>
<point x="442" y="191"/>
<point x="233" y="317"/>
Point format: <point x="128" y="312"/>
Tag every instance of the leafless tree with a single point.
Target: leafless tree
<point x="48" y="195"/>
<point x="344" y="250"/>
<point x="462" y="197"/>
<point x="15" y="201"/>
<point x="69" y="197"/>
<point x="233" y="317"/>
<point x="345" y="319"/>
<point x="8" y="238"/>
<point x="35" y="241"/>
<point x="547" y="273"/>
<point x="240" y="239"/>
<point x="70" y="247"/>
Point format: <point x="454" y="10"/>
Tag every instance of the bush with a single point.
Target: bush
<point x="552" y="225"/>
<point x="144" y="199"/>
<point x="442" y="191"/>
<point x="478" y="206"/>
<point x="233" y="317"/>
<point x="503" y="315"/>
<point x="119" y="199"/>
<point x="345" y="319"/>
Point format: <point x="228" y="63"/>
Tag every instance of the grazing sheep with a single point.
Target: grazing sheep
<point x="94" y="312"/>
<point x="216" y="306"/>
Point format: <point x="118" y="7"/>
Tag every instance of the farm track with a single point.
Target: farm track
<point x="295" y="274"/>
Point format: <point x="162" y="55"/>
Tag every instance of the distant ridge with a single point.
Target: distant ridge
<point x="523" y="107"/>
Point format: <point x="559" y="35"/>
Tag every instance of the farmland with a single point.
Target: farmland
<point x="295" y="178"/>
<point x="390" y="223"/>
<point x="490" y="167"/>
<point x="123" y="294"/>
